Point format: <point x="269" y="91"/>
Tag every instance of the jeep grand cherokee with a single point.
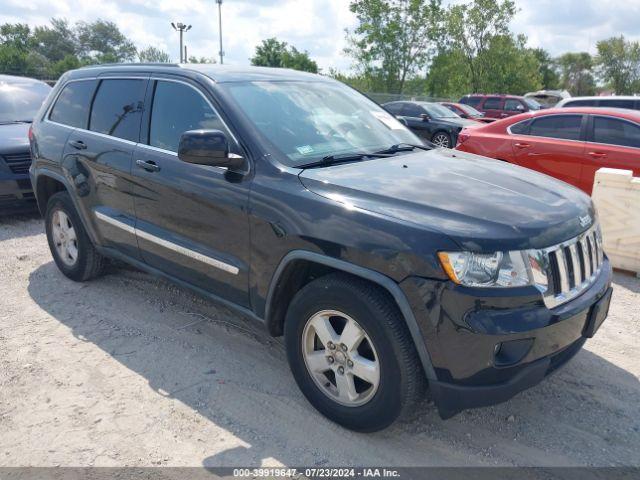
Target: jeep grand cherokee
<point x="388" y="267"/>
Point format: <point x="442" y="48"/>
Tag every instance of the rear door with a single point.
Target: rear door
<point x="192" y="220"/>
<point x="101" y="160"/>
<point x="553" y="144"/>
<point x="412" y="113"/>
<point x="613" y="143"/>
<point x="493" y="107"/>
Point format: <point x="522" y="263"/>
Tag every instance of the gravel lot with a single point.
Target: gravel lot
<point x="130" y="370"/>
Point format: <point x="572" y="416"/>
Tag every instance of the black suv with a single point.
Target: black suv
<point x="388" y="267"/>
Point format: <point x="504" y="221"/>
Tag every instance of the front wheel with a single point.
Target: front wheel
<point x="441" y="139"/>
<point x="351" y="353"/>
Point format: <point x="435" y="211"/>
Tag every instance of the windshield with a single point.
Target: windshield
<point x="533" y="105"/>
<point x="19" y="102"/>
<point x="435" y="110"/>
<point x="307" y="121"/>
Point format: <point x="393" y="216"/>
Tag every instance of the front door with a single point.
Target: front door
<point x="553" y="146"/>
<point x="493" y="107"/>
<point x="192" y="220"/>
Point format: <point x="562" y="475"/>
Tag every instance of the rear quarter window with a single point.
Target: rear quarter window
<point x="73" y="103"/>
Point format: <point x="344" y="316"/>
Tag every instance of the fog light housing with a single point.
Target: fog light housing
<point x="507" y="354"/>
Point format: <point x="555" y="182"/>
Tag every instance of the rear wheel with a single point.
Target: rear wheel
<point x="69" y="243"/>
<point x="351" y="354"/>
<point x="441" y="139"/>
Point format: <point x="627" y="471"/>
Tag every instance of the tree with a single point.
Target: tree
<point x="547" y="69"/>
<point x="55" y="42"/>
<point x="15" y="36"/>
<point x="618" y="64"/>
<point x="102" y="41"/>
<point x="273" y="53"/>
<point x="194" y="59"/>
<point x="471" y="27"/>
<point x="576" y="73"/>
<point x="394" y="39"/>
<point x="153" y="55"/>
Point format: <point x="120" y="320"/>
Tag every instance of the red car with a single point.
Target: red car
<point x="500" y="106"/>
<point x="467" y="111"/>
<point x="570" y="144"/>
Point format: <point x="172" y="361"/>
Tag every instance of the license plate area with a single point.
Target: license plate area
<point x="597" y="314"/>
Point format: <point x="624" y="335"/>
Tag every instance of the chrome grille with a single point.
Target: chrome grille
<point x="18" y="162"/>
<point x="572" y="266"/>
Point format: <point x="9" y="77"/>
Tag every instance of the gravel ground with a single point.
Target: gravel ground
<point x="130" y="370"/>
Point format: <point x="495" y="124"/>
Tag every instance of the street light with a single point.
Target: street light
<point x="219" y="2"/>
<point x="181" y="27"/>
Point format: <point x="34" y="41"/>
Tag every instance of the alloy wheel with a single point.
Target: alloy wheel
<point x="441" y="140"/>
<point x="64" y="238"/>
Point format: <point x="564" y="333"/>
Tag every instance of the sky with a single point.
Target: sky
<point x="317" y="26"/>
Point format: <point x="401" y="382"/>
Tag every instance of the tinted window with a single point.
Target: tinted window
<point x="473" y="101"/>
<point x="21" y="101"/>
<point x="520" y="128"/>
<point x="72" y="106"/>
<point x="581" y="103"/>
<point x="393" y="108"/>
<point x="557" y="126"/>
<point x="492" y="103"/>
<point x="616" y="103"/>
<point x="616" y="132"/>
<point x="513" y="105"/>
<point x="178" y="108"/>
<point x="117" y="108"/>
<point x="412" y="110"/>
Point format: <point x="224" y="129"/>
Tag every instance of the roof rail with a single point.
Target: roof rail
<point x="136" y="64"/>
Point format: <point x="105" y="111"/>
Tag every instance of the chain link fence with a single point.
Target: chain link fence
<point x="381" y="98"/>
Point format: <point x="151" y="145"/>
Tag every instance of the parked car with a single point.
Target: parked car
<point x="500" y="106"/>
<point x="570" y="144"/>
<point x="300" y="203"/>
<point x="20" y="99"/>
<point x="467" y="111"/>
<point x="632" y="103"/>
<point x="430" y="121"/>
<point x="548" y="98"/>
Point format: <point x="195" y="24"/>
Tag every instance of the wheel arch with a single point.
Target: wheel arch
<point x="293" y="272"/>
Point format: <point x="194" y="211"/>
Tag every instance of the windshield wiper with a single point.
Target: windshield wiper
<point x="343" y="157"/>
<point x="405" y="147"/>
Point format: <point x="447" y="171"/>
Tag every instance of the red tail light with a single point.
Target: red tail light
<point x="463" y="136"/>
<point x="30" y="133"/>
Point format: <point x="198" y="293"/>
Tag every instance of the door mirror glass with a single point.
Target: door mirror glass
<point x="208" y="147"/>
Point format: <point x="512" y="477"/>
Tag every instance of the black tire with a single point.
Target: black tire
<point x="445" y="139"/>
<point x="89" y="263"/>
<point x="401" y="383"/>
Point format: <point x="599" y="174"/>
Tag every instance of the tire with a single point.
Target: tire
<point x="441" y="139"/>
<point x="339" y="298"/>
<point x="61" y="215"/>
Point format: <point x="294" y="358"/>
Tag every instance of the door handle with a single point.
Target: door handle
<point x="597" y="154"/>
<point x="148" y="165"/>
<point x="78" y="144"/>
<point x="521" y="145"/>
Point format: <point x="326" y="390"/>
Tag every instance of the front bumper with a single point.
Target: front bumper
<point x="16" y="193"/>
<point x="486" y="347"/>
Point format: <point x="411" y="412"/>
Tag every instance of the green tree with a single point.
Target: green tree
<point x="546" y="69"/>
<point x="153" y="55"/>
<point x="471" y="27"/>
<point x="194" y="59"/>
<point x="15" y="36"/>
<point x="274" y="53"/>
<point x="618" y="64"/>
<point x="393" y="40"/>
<point x="102" y="41"/>
<point x="576" y="73"/>
<point x="55" y="42"/>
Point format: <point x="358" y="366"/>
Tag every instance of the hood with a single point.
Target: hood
<point x="480" y="203"/>
<point x="14" y="137"/>
<point x="456" y="122"/>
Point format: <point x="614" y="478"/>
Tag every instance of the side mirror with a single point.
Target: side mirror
<point x="520" y="108"/>
<point x="425" y="117"/>
<point x="208" y="147"/>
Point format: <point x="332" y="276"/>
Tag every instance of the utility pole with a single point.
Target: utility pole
<point x="181" y="27"/>
<point x="219" y="2"/>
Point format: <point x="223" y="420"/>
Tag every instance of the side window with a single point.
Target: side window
<point x="393" y="108"/>
<point x="412" y="110"/>
<point x="117" y="108"/>
<point x="513" y="105"/>
<point x="492" y="103"/>
<point x="616" y="132"/>
<point x="176" y="109"/>
<point x="557" y="126"/>
<point x="473" y="101"/>
<point x="520" y="128"/>
<point x="581" y="103"/>
<point x="72" y="106"/>
<point x="616" y="103"/>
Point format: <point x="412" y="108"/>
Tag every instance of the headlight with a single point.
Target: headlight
<point x="499" y="269"/>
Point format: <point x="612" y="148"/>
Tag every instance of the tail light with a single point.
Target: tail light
<point x="31" y="133"/>
<point x="463" y="136"/>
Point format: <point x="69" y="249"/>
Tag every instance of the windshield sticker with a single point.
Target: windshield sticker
<point x="388" y="120"/>
<point x="305" y="149"/>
